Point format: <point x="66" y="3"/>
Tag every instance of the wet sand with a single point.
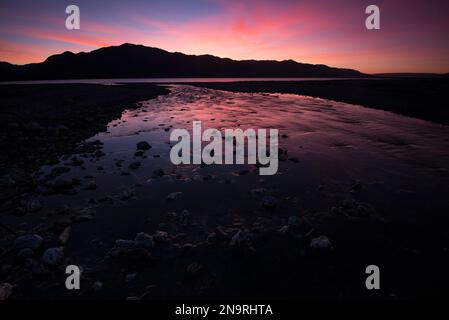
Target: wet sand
<point x="423" y="98"/>
<point x="355" y="186"/>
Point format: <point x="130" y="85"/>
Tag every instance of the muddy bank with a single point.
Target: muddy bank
<point x="40" y="122"/>
<point x="355" y="186"/>
<point x="420" y="98"/>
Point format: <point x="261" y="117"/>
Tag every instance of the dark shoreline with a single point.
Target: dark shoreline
<point x="38" y="123"/>
<point x="423" y="98"/>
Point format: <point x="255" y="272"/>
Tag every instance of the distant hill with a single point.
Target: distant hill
<point x="411" y="75"/>
<point x="137" y="61"/>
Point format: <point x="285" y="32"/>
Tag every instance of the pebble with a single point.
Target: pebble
<point x="143" y="145"/>
<point x="174" y="195"/>
<point x="32" y="241"/>
<point x="322" y="242"/>
<point x="5" y="290"/>
<point x="194" y="268"/>
<point x="144" y="240"/>
<point x="97" y="286"/>
<point x="130" y="277"/>
<point x="160" y="236"/>
<point x="53" y="256"/>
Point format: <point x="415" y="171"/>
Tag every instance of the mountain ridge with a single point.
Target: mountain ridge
<point x="138" y="61"/>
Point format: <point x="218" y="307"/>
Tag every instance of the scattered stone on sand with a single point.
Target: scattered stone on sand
<point x="53" y="256"/>
<point x="144" y="240"/>
<point x="143" y="145"/>
<point x="5" y="291"/>
<point x="174" y="195"/>
<point x="320" y="243"/>
<point x="31" y="241"/>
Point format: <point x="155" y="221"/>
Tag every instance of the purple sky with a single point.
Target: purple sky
<point x="414" y="35"/>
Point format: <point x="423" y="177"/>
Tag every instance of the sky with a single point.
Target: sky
<point x="414" y="35"/>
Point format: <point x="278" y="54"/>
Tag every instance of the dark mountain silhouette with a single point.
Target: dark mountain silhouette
<point x="411" y="75"/>
<point x="137" y="61"/>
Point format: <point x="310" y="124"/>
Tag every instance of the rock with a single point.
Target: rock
<point x="294" y="221"/>
<point x="322" y="242"/>
<point x="5" y="291"/>
<point x="143" y="145"/>
<point x="99" y="154"/>
<point x="64" y="236"/>
<point x="134" y="165"/>
<point x="130" y="277"/>
<point x="269" y="203"/>
<point x="139" y="153"/>
<point x="284" y="229"/>
<point x="194" y="268"/>
<point x="97" y="286"/>
<point x="160" y="236"/>
<point x="174" y="195"/>
<point x="127" y="244"/>
<point x="144" y="240"/>
<point x="53" y="256"/>
<point x="236" y="238"/>
<point x="25" y="253"/>
<point x="31" y="241"/>
<point x="33" y="205"/>
<point x="258" y="191"/>
<point x="77" y="162"/>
